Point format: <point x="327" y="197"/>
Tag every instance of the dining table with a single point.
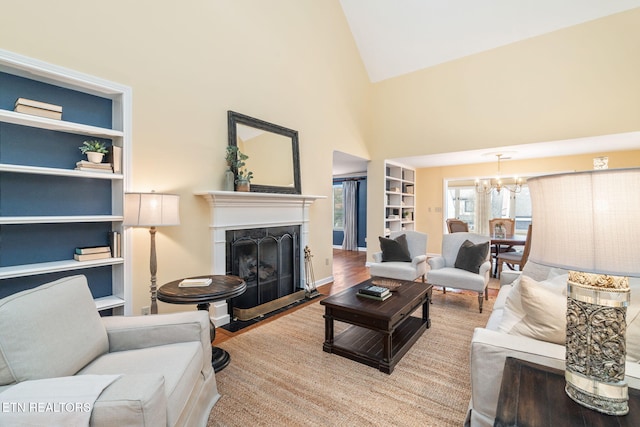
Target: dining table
<point x="505" y="241"/>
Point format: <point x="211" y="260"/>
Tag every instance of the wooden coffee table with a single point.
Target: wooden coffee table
<point x="381" y="332"/>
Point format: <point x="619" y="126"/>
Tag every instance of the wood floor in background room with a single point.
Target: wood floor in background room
<point x="349" y="269"/>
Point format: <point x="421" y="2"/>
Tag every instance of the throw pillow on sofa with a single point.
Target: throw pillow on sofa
<point x="471" y="256"/>
<point x="542" y="311"/>
<point x="395" y="249"/>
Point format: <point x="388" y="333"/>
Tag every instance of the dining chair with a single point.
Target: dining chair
<point x="518" y="258"/>
<point x="509" y="225"/>
<point x="456" y="225"/>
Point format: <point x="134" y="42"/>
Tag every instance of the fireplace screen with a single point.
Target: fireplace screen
<point x="268" y="259"/>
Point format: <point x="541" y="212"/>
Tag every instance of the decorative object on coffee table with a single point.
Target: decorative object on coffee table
<point x="590" y="230"/>
<point x="221" y="287"/>
<point x="152" y="210"/>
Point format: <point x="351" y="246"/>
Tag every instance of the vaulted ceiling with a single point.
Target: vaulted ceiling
<point x="399" y="37"/>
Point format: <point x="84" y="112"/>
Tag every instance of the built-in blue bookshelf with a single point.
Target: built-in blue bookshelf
<point x="47" y="208"/>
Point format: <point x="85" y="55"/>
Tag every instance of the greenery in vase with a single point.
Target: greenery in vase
<point x="236" y="159"/>
<point x="93" y="146"/>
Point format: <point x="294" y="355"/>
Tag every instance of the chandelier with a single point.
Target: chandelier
<point x="488" y="185"/>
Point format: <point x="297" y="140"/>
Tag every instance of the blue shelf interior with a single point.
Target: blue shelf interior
<point x="77" y="107"/>
<point x="50" y="195"/>
<point x="99" y="279"/>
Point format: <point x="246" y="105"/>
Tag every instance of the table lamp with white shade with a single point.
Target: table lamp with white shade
<point x="152" y="210"/>
<point x="589" y="223"/>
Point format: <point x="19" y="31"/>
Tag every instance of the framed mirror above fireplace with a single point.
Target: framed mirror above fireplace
<point x="273" y="153"/>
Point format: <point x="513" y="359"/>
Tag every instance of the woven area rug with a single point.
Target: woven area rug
<point x="279" y="374"/>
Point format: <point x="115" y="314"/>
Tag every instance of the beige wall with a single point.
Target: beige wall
<point x="576" y="82"/>
<point x="294" y="63"/>
<point x="289" y="62"/>
<point x="430" y="183"/>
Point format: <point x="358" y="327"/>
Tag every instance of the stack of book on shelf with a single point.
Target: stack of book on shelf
<point x="91" y="253"/>
<point x="378" y="293"/>
<point x="38" y="108"/>
<point x="84" y="165"/>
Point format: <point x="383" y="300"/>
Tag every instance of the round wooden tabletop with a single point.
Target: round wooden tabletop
<point x="222" y="287"/>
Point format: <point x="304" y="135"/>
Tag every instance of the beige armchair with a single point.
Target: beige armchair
<point x="415" y="267"/>
<point x="444" y="272"/>
<point x="53" y="334"/>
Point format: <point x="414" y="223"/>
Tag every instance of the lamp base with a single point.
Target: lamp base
<point x="610" y="399"/>
<point x="596" y="345"/>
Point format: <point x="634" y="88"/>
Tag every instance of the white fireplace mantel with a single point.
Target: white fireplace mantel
<point x="235" y="210"/>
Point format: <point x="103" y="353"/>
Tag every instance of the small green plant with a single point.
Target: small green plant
<point x="236" y="160"/>
<point x="93" y="146"/>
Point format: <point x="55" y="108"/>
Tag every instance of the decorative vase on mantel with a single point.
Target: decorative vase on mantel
<point x="229" y="179"/>
<point x="242" y="185"/>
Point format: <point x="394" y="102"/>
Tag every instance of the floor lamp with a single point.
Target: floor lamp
<point x="151" y="210"/>
<point x="587" y="223"/>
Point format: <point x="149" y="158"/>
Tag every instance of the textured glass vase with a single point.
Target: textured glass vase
<point x="229" y="179"/>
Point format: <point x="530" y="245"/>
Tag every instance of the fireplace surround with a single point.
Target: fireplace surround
<point x="231" y="210"/>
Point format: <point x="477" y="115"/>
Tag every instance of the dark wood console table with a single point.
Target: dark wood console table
<point x="222" y="287"/>
<point x="533" y="395"/>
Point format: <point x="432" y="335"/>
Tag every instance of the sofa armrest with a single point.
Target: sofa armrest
<point x="377" y="257"/>
<point x="134" y="332"/>
<point x="489" y="350"/>
<point x="436" y="262"/>
<point x="508" y="277"/>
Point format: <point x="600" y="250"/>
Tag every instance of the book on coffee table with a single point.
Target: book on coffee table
<point x="377" y="298"/>
<point x="376" y="291"/>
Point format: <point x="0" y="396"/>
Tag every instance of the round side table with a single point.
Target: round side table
<point x="221" y="288"/>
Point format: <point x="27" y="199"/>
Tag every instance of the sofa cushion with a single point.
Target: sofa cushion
<point x="536" y="310"/>
<point x="53" y="330"/>
<point x="178" y="364"/>
<point x="395" y="250"/>
<point x="471" y="256"/>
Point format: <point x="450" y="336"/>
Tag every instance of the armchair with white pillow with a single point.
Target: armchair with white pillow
<point x="528" y="322"/>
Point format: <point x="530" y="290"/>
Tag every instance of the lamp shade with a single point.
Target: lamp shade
<point x="151" y="209"/>
<point x="587" y="221"/>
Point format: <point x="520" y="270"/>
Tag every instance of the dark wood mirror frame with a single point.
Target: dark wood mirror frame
<point x="234" y="119"/>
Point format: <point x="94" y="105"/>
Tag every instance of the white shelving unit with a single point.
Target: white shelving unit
<point x="53" y="226"/>
<point x="400" y="204"/>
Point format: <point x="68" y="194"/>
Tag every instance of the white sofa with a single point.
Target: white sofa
<point x="53" y="333"/>
<point x="490" y="346"/>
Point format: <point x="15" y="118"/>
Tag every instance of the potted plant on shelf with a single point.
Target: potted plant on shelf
<point x="95" y="150"/>
<point x="243" y="175"/>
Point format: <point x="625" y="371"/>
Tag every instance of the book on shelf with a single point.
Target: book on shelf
<point x="88" y="164"/>
<point x="38" y="104"/>
<point x="97" y="170"/>
<point x="373" y="297"/>
<point x="195" y="283"/>
<point x="93" y="250"/>
<point x="89" y="257"/>
<point x="373" y="290"/>
<point x="114" y="158"/>
<point x="84" y="165"/>
<point x="41" y="112"/>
